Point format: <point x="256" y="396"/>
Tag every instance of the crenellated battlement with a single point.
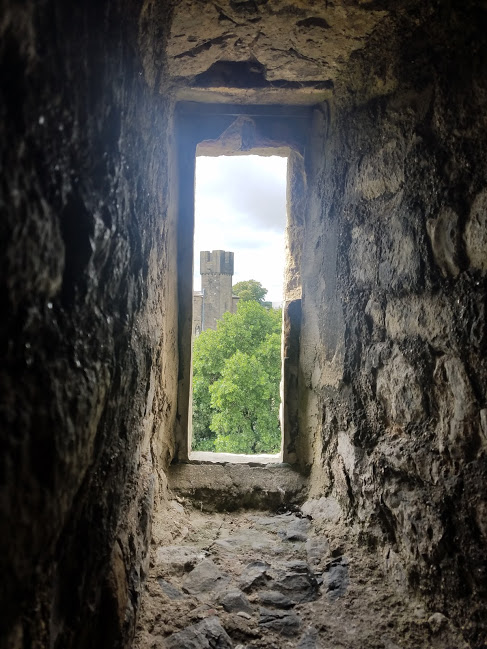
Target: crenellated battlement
<point x="217" y="261"/>
<point x="215" y="297"/>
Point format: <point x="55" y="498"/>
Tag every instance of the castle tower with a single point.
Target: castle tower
<point x="216" y="270"/>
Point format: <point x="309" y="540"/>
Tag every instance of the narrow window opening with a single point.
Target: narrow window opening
<point x="239" y="267"/>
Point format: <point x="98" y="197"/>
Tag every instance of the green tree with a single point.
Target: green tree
<point x="236" y="375"/>
<point x="249" y="290"/>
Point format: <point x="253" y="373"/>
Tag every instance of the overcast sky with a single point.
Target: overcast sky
<point x="240" y="206"/>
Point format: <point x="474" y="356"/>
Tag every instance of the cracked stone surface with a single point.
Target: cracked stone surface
<point x="207" y="634"/>
<point x="244" y="581"/>
<point x="281" y="41"/>
<point x="392" y="352"/>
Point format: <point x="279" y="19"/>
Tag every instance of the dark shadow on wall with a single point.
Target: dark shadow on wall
<point x="80" y="129"/>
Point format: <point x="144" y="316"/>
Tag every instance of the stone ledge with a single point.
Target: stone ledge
<point x="208" y="457"/>
<point x="227" y="487"/>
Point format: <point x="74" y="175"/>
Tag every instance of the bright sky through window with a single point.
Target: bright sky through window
<point x="240" y="206"/>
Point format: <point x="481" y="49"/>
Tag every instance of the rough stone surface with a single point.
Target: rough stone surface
<point x="335" y="578"/>
<point x="206" y="581"/>
<point x="296" y="530"/>
<point x="247" y="538"/>
<point x="207" y="634"/>
<point x="317" y="550"/>
<point x="388" y="321"/>
<point x="254" y="575"/>
<point x="223" y="487"/>
<point x="275" y="599"/>
<point x="436" y="622"/>
<point x="87" y="331"/>
<point x="295" y="580"/>
<point x="327" y="509"/>
<point x="284" y="622"/>
<point x="393" y="332"/>
<point x="309" y="639"/>
<point x="299" y="42"/>
<point x="174" y="559"/>
<point x="235" y="601"/>
<point x="373" y="611"/>
<point x="169" y="589"/>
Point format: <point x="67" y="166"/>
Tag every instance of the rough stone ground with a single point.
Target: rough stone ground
<point x="260" y="580"/>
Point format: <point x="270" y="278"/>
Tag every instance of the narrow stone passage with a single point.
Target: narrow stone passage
<point x="276" y="579"/>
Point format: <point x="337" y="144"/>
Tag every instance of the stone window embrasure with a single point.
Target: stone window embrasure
<point x="222" y="129"/>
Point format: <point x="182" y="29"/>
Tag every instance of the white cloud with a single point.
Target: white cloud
<point x="241" y="207"/>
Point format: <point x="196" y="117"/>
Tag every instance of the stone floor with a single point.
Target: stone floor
<point x="274" y="580"/>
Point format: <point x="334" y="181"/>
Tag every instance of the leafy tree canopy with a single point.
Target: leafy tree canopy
<point x="249" y="290"/>
<point x="236" y="375"/>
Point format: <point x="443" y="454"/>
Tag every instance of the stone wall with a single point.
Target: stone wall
<point x="392" y="374"/>
<point x="393" y="366"/>
<point x="87" y="330"/>
<point x="197" y="312"/>
<point x="216" y="270"/>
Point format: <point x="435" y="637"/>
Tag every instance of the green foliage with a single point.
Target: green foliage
<point x="250" y="290"/>
<point x="236" y="375"/>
